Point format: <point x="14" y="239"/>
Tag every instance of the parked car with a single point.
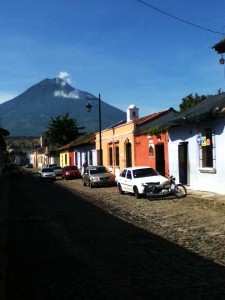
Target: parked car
<point x="47" y="174"/>
<point x="58" y="171"/>
<point x="132" y="180"/>
<point x="71" y="172"/>
<point x="98" y="176"/>
<point x="28" y="166"/>
<point x="51" y="165"/>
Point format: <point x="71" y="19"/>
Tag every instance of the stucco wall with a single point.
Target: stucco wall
<point x="141" y="146"/>
<point x="197" y="179"/>
<point x="117" y="135"/>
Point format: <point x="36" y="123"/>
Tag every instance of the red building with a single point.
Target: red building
<point x="151" y="141"/>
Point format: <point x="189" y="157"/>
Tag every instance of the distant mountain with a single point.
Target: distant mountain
<point x="30" y="113"/>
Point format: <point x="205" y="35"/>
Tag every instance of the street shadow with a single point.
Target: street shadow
<point x="63" y="246"/>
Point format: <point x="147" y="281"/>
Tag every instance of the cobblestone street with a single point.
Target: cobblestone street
<point x="194" y="222"/>
<point x="67" y="241"/>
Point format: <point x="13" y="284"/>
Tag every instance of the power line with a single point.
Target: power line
<point x="179" y="19"/>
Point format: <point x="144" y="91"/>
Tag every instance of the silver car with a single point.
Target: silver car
<point x="47" y="174"/>
<point x="98" y="176"/>
<point x="57" y="170"/>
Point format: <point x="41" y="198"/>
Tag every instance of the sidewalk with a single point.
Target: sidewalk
<point x="207" y="196"/>
<point x="4" y="194"/>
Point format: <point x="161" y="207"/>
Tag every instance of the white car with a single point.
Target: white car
<point x="132" y="180"/>
<point x="47" y="174"/>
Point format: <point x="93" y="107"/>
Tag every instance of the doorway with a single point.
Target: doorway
<point x="160" y="159"/>
<point x="128" y="155"/>
<point x="182" y="162"/>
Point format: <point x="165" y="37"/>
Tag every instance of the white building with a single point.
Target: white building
<point x="197" y="145"/>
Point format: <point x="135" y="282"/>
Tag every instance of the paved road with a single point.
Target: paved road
<point x="63" y="246"/>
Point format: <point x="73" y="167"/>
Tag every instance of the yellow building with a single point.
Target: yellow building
<point x="64" y="158"/>
<point x="117" y="143"/>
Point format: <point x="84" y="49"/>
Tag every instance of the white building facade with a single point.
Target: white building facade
<point x="197" y="154"/>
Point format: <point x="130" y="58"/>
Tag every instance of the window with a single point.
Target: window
<point x="207" y="159"/>
<point x="129" y="174"/>
<point x="110" y="156"/>
<point x="117" y="156"/>
<point x="207" y="148"/>
<point x="139" y="173"/>
<point x="98" y="170"/>
<point x="123" y="174"/>
<point x="151" y="150"/>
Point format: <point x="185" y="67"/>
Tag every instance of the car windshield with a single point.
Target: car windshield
<point x="72" y="168"/>
<point x="144" y="172"/>
<point x="57" y="168"/>
<point x="47" y="170"/>
<point x="98" y="170"/>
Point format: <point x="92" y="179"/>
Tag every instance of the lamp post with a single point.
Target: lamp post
<point x="89" y="107"/>
<point x="36" y="155"/>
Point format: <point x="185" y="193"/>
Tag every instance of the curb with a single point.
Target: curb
<point x="4" y="208"/>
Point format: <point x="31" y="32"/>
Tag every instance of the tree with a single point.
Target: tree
<point x="62" y="130"/>
<point x="191" y="100"/>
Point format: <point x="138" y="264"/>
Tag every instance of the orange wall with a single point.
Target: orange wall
<point x="71" y="158"/>
<point x="141" y="150"/>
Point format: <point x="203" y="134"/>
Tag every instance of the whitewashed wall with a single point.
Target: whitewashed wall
<point x="212" y="182"/>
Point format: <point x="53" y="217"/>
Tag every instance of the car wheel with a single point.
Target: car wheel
<point x="120" y="189"/>
<point x="136" y="193"/>
<point x="91" y="185"/>
<point x="84" y="183"/>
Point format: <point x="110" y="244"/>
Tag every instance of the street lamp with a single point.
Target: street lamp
<point x="36" y="154"/>
<point x="89" y="107"/>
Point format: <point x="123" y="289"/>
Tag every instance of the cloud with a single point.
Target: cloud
<point x="62" y="94"/>
<point x="65" y="76"/>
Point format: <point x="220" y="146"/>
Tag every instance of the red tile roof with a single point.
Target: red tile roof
<point x="152" y="117"/>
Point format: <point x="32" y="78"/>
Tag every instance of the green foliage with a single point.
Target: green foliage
<point x="155" y="130"/>
<point x="191" y="100"/>
<point x="62" y="130"/>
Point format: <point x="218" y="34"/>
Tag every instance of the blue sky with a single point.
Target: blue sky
<point x="122" y="49"/>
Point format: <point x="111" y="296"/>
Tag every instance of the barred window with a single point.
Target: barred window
<point x="207" y="153"/>
<point x="207" y="148"/>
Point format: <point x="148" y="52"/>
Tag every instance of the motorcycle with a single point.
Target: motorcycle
<point x="155" y="189"/>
